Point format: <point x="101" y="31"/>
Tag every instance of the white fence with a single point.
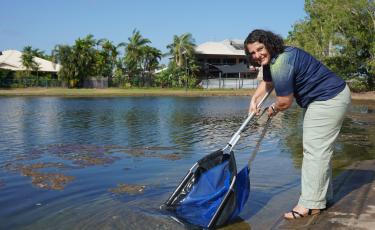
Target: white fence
<point x="229" y="83"/>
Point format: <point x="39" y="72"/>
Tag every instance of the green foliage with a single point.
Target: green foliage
<point x="149" y="62"/>
<point x="106" y="58"/>
<point x="140" y="59"/>
<point x="133" y="54"/>
<point x="357" y="85"/>
<point x="64" y="55"/>
<point x="77" y="61"/>
<point x="168" y="77"/>
<point x="86" y="58"/>
<point x="162" y="79"/>
<point x="6" y="77"/>
<point x="340" y="33"/>
<point x="89" y="57"/>
<point x="21" y="79"/>
<point x="177" y="77"/>
<point x="183" y="65"/>
<point x="341" y="65"/>
<point x="181" y="49"/>
<point x="27" y="59"/>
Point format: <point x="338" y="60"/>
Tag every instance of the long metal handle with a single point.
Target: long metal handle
<point x="237" y="135"/>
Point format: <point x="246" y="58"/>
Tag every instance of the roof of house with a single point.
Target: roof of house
<point x="12" y="60"/>
<point x="226" y="47"/>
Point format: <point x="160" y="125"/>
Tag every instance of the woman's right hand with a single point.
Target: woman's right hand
<point x="253" y="108"/>
<point x="262" y="89"/>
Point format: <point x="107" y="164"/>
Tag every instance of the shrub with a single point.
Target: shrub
<point x="357" y="85"/>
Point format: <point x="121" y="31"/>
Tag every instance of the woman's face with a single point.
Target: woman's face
<point x="259" y="53"/>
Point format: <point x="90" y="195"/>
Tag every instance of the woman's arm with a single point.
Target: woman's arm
<point x="263" y="87"/>
<point x="282" y="103"/>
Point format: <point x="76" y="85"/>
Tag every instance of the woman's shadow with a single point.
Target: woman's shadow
<point x="351" y="181"/>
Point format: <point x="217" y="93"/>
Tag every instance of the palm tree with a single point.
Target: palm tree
<point x="119" y="69"/>
<point x="133" y="53"/>
<point x="84" y="55"/>
<point x="28" y="59"/>
<point x="150" y="61"/>
<point x="39" y="53"/>
<point x="182" y="48"/>
<point x="64" y="55"/>
<point x="110" y="53"/>
<point x="182" y="51"/>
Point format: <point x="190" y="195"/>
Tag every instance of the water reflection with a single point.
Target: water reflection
<point x="73" y="161"/>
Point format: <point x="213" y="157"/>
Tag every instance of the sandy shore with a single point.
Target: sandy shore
<point x="115" y="92"/>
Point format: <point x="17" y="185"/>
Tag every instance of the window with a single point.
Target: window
<point x="229" y="61"/>
<point x="213" y="61"/>
<point x="241" y="60"/>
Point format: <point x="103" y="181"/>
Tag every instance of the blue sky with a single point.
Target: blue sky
<point x="46" y="23"/>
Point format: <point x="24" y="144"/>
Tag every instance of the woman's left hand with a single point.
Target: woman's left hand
<point x="272" y="110"/>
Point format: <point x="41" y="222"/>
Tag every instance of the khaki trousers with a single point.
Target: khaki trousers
<point x="321" y="126"/>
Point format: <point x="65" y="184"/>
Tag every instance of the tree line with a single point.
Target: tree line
<point x="127" y="64"/>
<point x="89" y="57"/>
<point x="340" y="33"/>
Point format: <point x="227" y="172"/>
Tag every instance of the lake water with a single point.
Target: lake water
<point x="109" y="163"/>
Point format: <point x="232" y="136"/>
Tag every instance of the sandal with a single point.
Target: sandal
<point x="297" y="215"/>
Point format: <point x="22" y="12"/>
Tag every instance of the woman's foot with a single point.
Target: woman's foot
<point x="300" y="212"/>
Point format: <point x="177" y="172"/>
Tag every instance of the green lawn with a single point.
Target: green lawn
<point x="116" y="92"/>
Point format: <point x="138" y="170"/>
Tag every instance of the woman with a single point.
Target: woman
<point x="294" y="73"/>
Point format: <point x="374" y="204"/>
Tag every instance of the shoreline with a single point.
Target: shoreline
<point x="117" y="92"/>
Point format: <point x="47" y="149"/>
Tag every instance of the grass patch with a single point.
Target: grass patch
<point x="117" y="92"/>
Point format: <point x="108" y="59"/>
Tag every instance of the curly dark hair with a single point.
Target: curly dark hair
<point x="273" y="42"/>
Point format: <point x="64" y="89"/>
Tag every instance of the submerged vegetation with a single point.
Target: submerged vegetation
<point x="128" y="188"/>
<point x="51" y="175"/>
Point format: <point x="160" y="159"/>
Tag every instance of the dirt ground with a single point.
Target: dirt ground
<point x="367" y="96"/>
